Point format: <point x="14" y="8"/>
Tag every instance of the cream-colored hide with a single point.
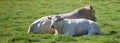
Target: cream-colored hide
<point x="74" y="27"/>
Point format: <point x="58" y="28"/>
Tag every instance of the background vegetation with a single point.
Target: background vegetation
<point x="17" y="15"/>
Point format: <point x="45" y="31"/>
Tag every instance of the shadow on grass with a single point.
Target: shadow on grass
<point x="25" y="39"/>
<point x="64" y="38"/>
<point x="111" y="33"/>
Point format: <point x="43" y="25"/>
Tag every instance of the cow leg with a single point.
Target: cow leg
<point x="56" y="32"/>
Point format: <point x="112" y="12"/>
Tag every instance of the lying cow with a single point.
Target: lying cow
<point x="43" y="24"/>
<point x="74" y="27"/>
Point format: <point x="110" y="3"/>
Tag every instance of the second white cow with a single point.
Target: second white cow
<point x="74" y="27"/>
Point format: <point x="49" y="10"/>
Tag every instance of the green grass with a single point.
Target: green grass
<point x="17" y="15"/>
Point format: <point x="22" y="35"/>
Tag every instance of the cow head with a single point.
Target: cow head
<point x="91" y="12"/>
<point x="56" y="24"/>
<point x="55" y="21"/>
<point x="86" y="12"/>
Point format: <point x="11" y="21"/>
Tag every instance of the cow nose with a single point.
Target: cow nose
<point x="52" y="26"/>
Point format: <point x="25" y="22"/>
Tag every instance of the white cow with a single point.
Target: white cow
<point x="74" y="26"/>
<point x="42" y="25"/>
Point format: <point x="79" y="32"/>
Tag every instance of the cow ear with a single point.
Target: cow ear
<point x="49" y="18"/>
<point x="89" y="7"/>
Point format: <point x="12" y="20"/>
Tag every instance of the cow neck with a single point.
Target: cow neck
<point x="61" y="28"/>
<point x="63" y="23"/>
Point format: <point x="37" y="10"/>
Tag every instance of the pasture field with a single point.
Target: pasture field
<point x="17" y="15"/>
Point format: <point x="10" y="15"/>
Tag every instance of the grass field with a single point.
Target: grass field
<point x="17" y="15"/>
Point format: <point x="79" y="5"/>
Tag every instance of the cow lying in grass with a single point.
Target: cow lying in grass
<point x="43" y="24"/>
<point x="74" y="27"/>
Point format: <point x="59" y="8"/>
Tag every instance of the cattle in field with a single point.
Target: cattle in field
<point x="74" y="27"/>
<point x="42" y="25"/>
